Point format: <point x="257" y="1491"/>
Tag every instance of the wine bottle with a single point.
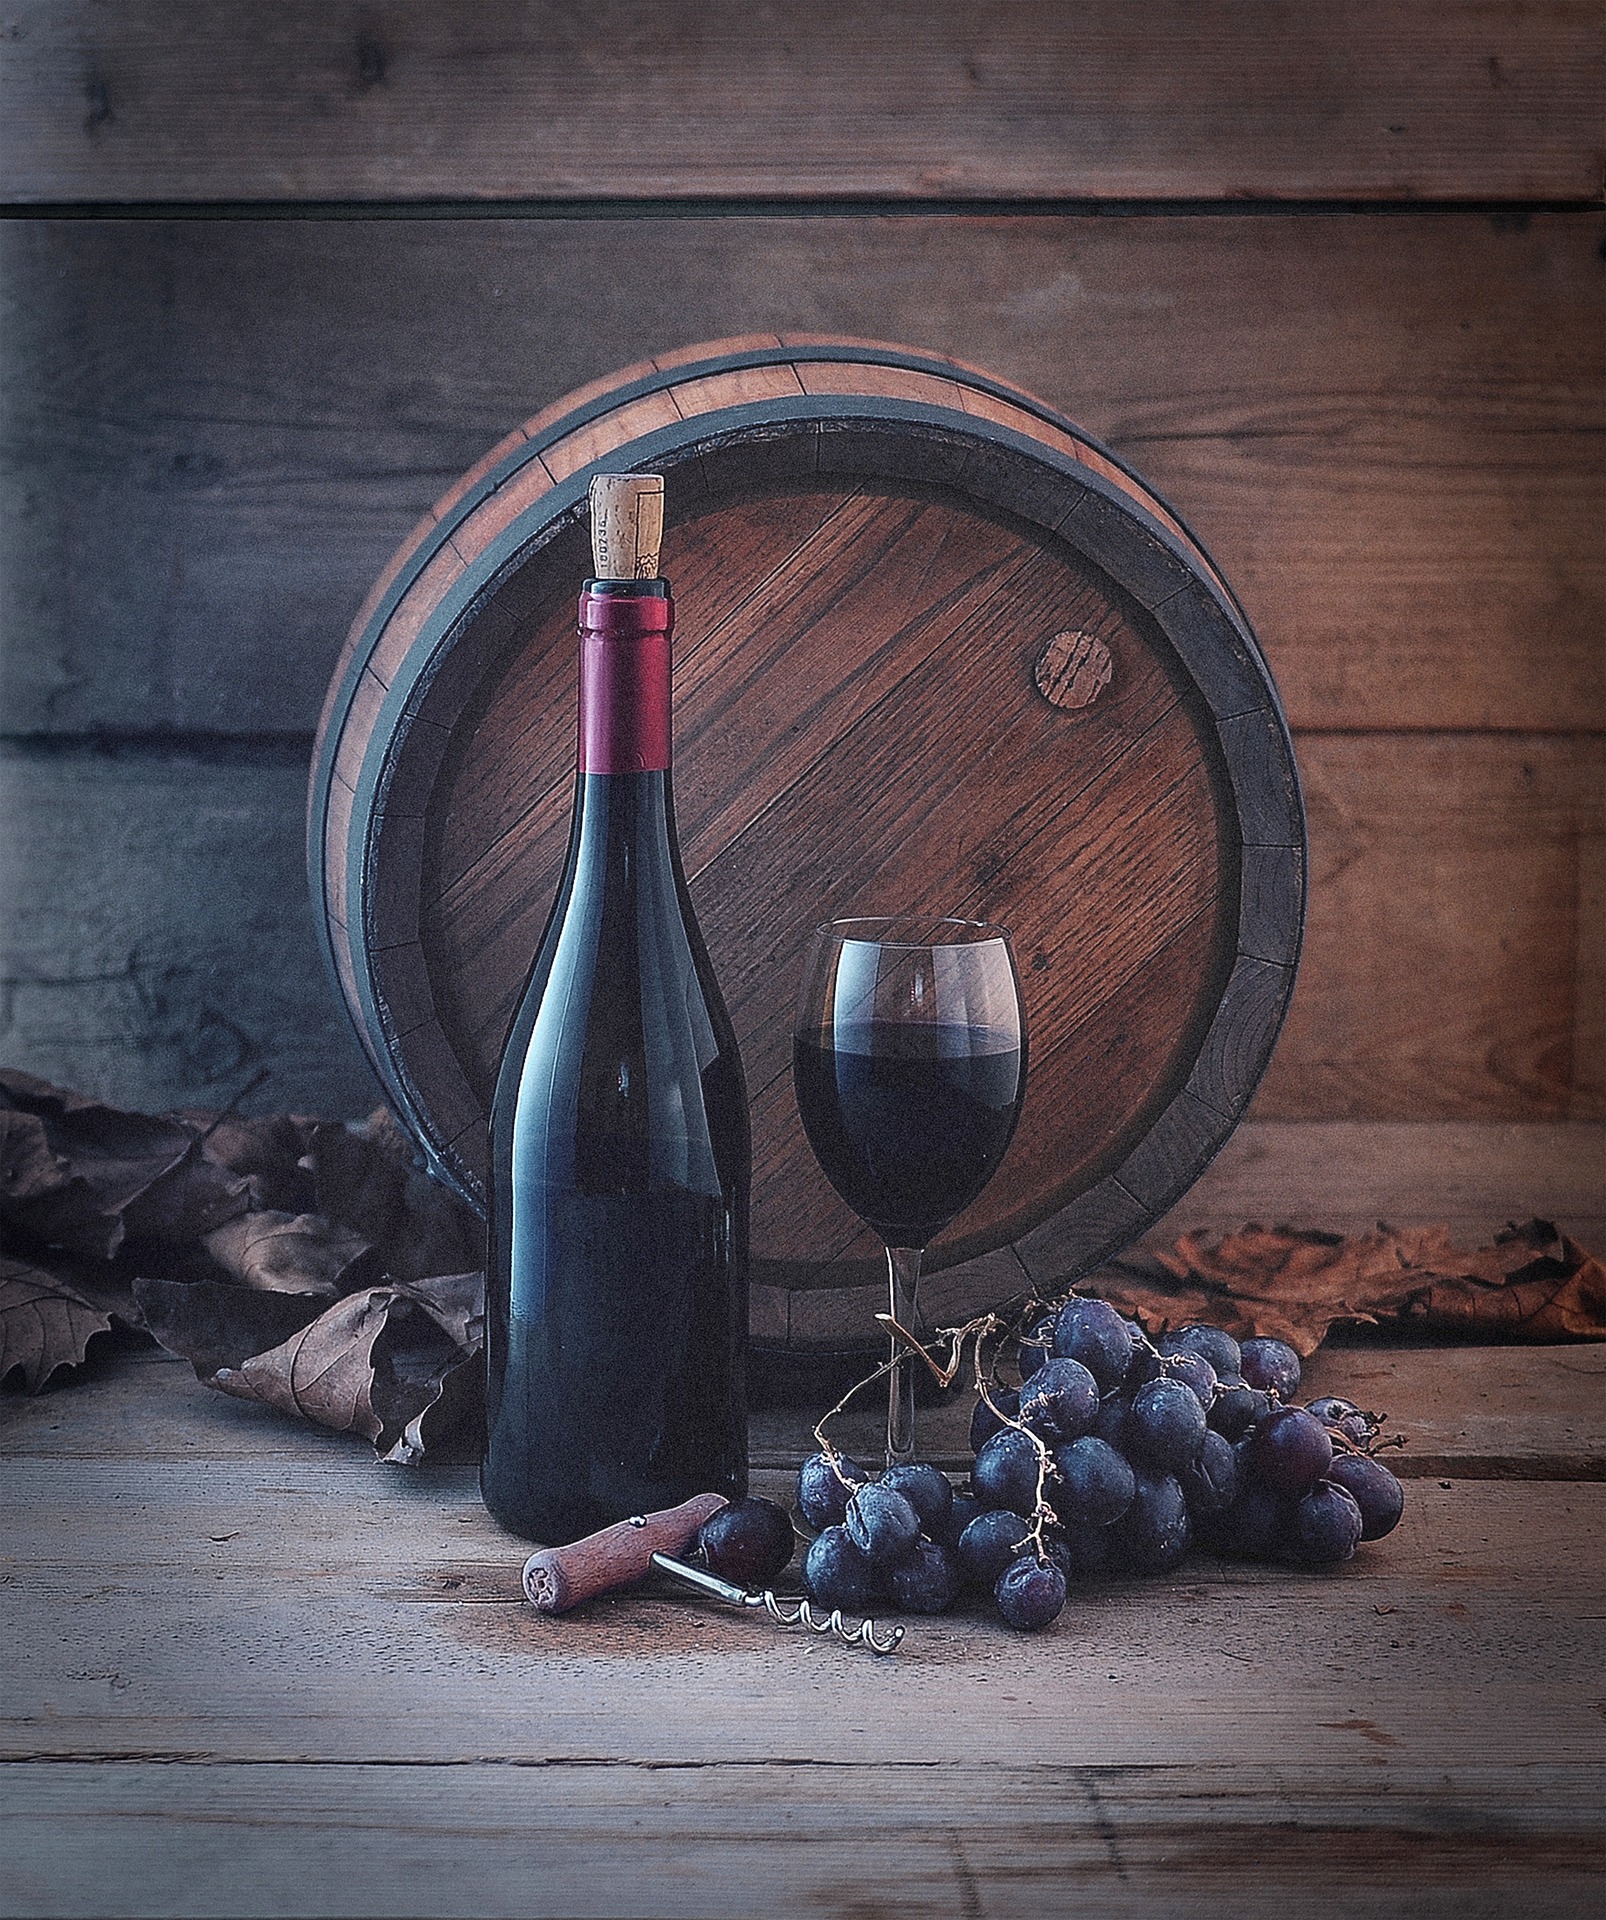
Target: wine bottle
<point x="616" y="1322"/>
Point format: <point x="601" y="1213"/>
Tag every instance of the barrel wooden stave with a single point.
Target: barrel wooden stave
<point x="799" y="502"/>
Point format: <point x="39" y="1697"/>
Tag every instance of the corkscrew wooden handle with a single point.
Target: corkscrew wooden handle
<point x="558" y="1578"/>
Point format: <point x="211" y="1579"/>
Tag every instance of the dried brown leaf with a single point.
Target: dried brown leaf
<point x="266" y="1151"/>
<point x="368" y="1180"/>
<point x="112" y="1159"/>
<point x="374" y="1363"/>
<point x="30" y="1168"/>
<point x="218" y="1323"/>
<point x="1295" y="1285"/>
<point x="293" y="1253"/>
<point x="45" y="1322"/>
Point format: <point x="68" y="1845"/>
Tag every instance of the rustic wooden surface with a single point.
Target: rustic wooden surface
<point x="251" y="1672"/>
<point x="917" y="98"/>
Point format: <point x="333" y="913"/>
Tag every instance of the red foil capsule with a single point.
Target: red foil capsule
<point x="625" y="664"/>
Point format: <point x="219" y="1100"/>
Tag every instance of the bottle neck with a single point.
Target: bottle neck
<point x="625" y="662"/>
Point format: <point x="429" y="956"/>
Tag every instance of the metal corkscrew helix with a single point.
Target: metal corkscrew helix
<point x="866" y="1634"/>
<point x="558" y="1578"/>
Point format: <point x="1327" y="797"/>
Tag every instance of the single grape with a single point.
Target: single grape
<point x="989" y="1544"/>
<point x="1289" y="1451"/>
<point x="748" y="1542"/>
<point x="928" y="1581"/>
<point x="1374" y="1489"/>
<point x="984" y="1423"/>
<point x="1210" y="1483"/>
<point x="1194" y="1371"/>
<point x="1095" y="1482"/>
<point x="1144" y="1368"/>
<point x="1035" y="1349"/>
<point x="1219" y="1348"/>
<point x="1154" y="1532"/>
<point x="1235" y="1408"/>
<point x="1084" y="1552"/>
<point x="836" y="1574"/>
<point x="1166" y="1426"/>
<point x="1272" y="1365"/>
<point x="1061" y="1400"/>
<point x="1327" y="1525"/>
<point x="927" y="1490"/>
<point x="881" y="1523"/>
<point x="964" y="1509"/>
<point x="1006" y="1472"/>
<point x="1252" y="1527"/>
<point x="1343" y="1416"/>
<point x="1030" y="1594"/>
<point x="1115" y="1409"/>
<point x="822" y="1497"/>
<point x="1092" y="1332"/>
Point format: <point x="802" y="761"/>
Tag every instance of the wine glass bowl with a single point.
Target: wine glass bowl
<point x="909" y="1064"/>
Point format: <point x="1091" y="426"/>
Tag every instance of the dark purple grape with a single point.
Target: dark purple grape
<point x="1374" y="1489"/>
<point x="1219" y="1348"/>
<point x="821" y="1496"/>
<point x="836" y="1574"/>
<point x="1035" y="1349"/>
<point x="1272" y="1365"/>
<point x="984" y="1423"/>
<point x="1006" y="1472"/>
<point x="1092" y="1332"/>
<point x="1235" y="1408"/>
<point x="1343" y="1416"/>
<point x="927" y="1490"/>
<point x="1083" y="1552"/>
<point x="1252" y="1528"/>
<point x="1327" y="1525"/>
<point x="964" y="1509"/>
<point x="1095" y="1482"/>
<point x="1115" y="1410"/>
<point x="1195" y="1372"/>
<point x="1154" y="1532"/>
<point x="1166" y="1426"/>
<point x="1030" y="1594"/>
<point x="1144" y="1368"/>
<point x="989" y="1544"/>
<point x="1060" y="1401"/>
<point x="1289" y="1451"/>
<point x="1210" y="1483"/>
<point x="881" y="1523"/>
<point x="748" y="1542"/>
<point x="928" y="1581"/>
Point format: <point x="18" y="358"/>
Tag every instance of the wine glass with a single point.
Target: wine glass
<point x="909" y="1063"/>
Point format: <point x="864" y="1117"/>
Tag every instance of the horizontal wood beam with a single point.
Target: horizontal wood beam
<point x="910" y="100"/>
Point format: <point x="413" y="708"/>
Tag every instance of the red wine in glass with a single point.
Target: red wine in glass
<point x="909" y="1064"/>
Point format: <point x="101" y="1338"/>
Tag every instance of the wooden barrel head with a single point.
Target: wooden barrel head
<point x="935" y="652"/>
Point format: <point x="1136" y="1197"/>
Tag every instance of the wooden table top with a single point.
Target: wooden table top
<point x="250" y="1672"/>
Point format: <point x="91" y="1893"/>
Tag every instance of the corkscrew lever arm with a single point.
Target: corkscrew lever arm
<point x="800" y="1614"/>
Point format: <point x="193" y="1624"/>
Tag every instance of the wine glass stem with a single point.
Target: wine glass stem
<point x="903" y="1276"/>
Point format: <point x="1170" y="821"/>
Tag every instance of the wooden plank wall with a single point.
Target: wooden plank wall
<point x="1332" y="278"/>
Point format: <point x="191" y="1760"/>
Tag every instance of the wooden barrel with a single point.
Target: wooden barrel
<point x="937" y="651"/>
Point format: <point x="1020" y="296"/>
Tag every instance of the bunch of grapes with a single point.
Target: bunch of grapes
<point x="1115" y="1455"/>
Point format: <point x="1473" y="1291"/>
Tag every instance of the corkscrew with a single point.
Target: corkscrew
<point x="558" y="1578"/>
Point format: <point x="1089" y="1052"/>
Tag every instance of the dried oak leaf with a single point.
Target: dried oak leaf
<point x="368" y="1178"/>
<point x="374" y="1363"/>
<point x="1295" y="1285"/>
<point x="45" y="1322"/>
<point x="293" y="1253"/>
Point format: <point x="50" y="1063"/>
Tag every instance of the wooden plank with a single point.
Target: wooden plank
<point x="254" y="1610"/>
<point x="157" y="947"/>
<point x="936" y="1836"/>
<point x="914" y="100"/>
<point x="1443" y="949"/>
<point x="1383" y="428"/>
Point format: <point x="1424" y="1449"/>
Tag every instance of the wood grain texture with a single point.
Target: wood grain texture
<point x="915" y="100"/>
<point x="1385" y="429"/>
